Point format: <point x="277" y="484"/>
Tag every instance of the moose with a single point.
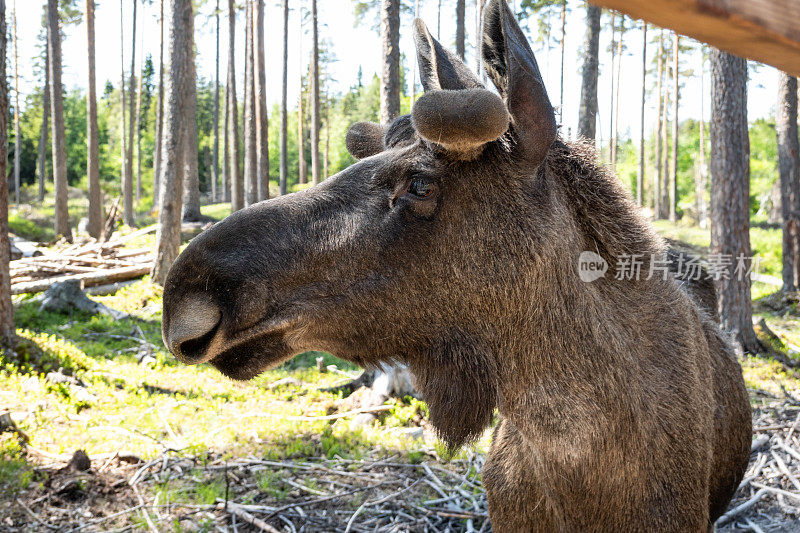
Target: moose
<point x="452" y="246"/>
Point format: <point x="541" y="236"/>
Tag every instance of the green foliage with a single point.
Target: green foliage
<point x="15" y="472"/>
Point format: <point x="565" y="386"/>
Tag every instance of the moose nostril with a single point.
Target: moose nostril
<point x="192" y="326"/>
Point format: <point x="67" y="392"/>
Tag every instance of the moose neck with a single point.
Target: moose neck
<point x="576" y="335"/>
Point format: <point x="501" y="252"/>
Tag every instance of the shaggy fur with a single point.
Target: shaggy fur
<point x="623" y="407"/>
<point x="460" y="121"/>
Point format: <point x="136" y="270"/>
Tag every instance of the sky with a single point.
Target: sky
<point x="359" y="47"/>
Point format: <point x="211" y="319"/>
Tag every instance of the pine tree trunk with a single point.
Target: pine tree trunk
<point x="390" y="72"/>
<point x="215" y="151"/>
<point x="190" y="211"/>
<point x="315" y="119"/>
<point x="6" y="306"/>
<point x="730" y="192"/>
<point x="235" y="176"/>
<point x="327" y="137"/>
<point x="640" y="174"/>
<point x="43" y="134"/>
<point x="673" y="191"/>
<point x="225" y="190"/>
<point x="92" y="135"/>
<point x="262" y="118"/>
<point x="702" y="176"/>
<point x="460" y="30"/>
<point x="284" y="164"/>
<point x="613" y="79"/>
<point x="178" y="90"/>
<point x="123" y="134"/>
<point x="439" y="22"/>
<point x="657" y="133"/>
<point x="665" y="184"/>
<point x="563" y="43"/>
<point x="17" y="143"/>
<point x="414" y="64"/>
<point x="301" y="144"/>
<point x="159" y="111"/>
<point x="138" y="130"/>
<point x="57" y="130"/>
<point x="615" y="138"/>
<point x="127" y="185"/>
<point x="250" y="146"/>
<point x="789" y="170"/>
<point x="587" y="116"/>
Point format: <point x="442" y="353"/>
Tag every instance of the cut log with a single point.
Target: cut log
<point x="129" y="237"/>
<point x="89" y="279"/>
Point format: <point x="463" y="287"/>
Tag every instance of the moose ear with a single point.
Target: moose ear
<point x="460" y="121"/>
<point x="510" y="63"/>
<point x="440" y="68"/>
<point x="364" y="139"/>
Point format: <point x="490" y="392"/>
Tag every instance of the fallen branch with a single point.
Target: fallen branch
<point x="739" y="509"/>
<point x="247" y="517"/>
<point x="88" y="279"/>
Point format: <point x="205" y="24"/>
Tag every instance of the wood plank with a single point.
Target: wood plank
<point x="761" y="30"/>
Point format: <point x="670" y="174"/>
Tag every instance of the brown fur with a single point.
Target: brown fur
<point x="623" y="407"/>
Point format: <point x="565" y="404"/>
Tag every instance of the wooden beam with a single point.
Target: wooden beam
<point x="761" y="30"/>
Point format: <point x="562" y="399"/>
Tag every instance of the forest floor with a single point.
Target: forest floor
<point x="178" y="448"/>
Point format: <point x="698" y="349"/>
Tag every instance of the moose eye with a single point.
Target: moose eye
<point x="421" y="187"/>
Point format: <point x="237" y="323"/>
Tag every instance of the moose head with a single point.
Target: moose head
<point x="452" y="246"/>
<point x="415" y="253"/>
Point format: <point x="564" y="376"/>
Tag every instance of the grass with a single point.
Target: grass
<point x="120" y="404"/>
<point x="145" y="409"/>
<point x="765" y="243"/>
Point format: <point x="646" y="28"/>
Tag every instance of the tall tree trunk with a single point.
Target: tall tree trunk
<point x="249" y="111"/>
<point x="390" y="71"/>
<point x="43" y="134"/>
<point x="587" y="116"/>
<point x="673" y="191"/>
<point x="177" y="91"/>
<point x="123" y="134"/>
<point x="730" y="193"/>
<point x="615" y="137"/>
<point x="127" y="185"/>
<point x="138" y="130"/>
<point x="190" y="211"/>
<point x="57" y="113"/>
<point x="17" y="142"/>
<point x="327" y="136"/>
<point x="284" y="164"/>
<point x="563" y="42"/>
<point x="262" y="118"/>
<point x="236" y="181"/>
<point x="6" y="306"/>
<point x="159" y="110"/>
<point x="301" y="150"/>
<point x="640" y="174"/>
<point x="611" y="94"/>
<point x="439" y="22"/>
<point x="225" y="190"/>
<point x="215" y="153"/>
<point x="789" y="169"/>
<point x="315" y="122"/>
<point x="414" y="63"/>
<point x="92" y="135"/>
<point x="665" y="184"/>
<point x="460" y="30"/>
<point x="657" y="133"/>
<point x="702" y="176"/>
